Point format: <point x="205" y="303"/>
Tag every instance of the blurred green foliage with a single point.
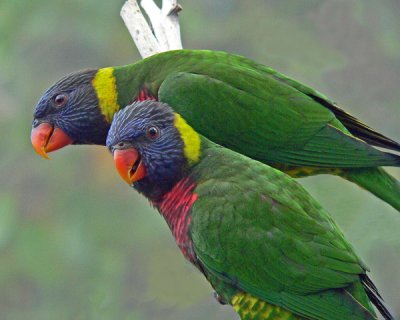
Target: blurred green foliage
<point x="77" y="243"/>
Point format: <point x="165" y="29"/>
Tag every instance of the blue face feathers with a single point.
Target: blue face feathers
<point x="79" y="115"/>
<point x="132" y="123"/>
<point x="148" y="126"/>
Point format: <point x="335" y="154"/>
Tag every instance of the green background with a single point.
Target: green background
<point x="77" y="243"/>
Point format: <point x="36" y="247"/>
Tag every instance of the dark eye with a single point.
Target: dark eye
<point x="121" y="144"/>
<point x="153" y="133"/>
<point x="60" y="100"/>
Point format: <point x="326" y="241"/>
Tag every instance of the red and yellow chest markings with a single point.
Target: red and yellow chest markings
<point x="175" y="208"/>
<point x="252" y="308"/>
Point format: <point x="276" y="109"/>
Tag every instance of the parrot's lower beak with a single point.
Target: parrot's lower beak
<point x="129" y="165"/>
<point x="46" y="138"/>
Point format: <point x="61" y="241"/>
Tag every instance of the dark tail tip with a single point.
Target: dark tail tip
<point x="357" y="128"/>
<point x="375" y="297"/>
<point x="394" y="159"/>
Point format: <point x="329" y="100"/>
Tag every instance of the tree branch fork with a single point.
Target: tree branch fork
<point x="161" y="34"/>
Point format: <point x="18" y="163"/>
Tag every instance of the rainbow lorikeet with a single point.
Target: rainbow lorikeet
<point x="231" y="100"/>
<point x="265" y="245"/>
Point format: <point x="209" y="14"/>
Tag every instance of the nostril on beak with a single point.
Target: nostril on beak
<point x="35" y="123"/>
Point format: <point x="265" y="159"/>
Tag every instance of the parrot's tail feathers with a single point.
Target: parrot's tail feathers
<point x="367" y="282"/>
<point x="377" y="181"/>
<point x="357" y="128"/>
<point x="375" y="297"/>
<point x="395" y="157"/>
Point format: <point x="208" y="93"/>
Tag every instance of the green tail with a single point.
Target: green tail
<point x="378" y="182"/>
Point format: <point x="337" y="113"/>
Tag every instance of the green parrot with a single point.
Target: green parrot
<point x="264" y="244"/>
<point x="232" y="101"/>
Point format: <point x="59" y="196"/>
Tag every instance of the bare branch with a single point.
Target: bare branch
<point x="170" y="10"/>
<point x="139" y="29"/>
<point x="156" y="20"/>
<point x="165" y="24"/>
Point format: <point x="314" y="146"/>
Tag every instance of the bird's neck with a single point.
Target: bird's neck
<point x="135" y="83"/>
<point x="141" y="80"/>
<point x="117" y="87"/>
<point x="175" y="206"/>
<point x="123" y="85"/>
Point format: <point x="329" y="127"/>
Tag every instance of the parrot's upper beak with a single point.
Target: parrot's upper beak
<point x="129" y="165"/>
<point x="46" y="138"/>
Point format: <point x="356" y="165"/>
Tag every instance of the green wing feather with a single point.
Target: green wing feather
<point x="229" y="112"/>
<point x="274" y="241"/>
<point x="352" y="124"/>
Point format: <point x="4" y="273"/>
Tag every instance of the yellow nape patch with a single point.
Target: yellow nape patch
<point x="105" y="85"/>
<point x="191" y="139"/>
<point x="252" y="308"/>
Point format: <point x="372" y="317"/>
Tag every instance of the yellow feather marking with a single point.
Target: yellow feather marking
<point x="191" y="139"/>
<point x="252" y="308"/>
<point x="105" y="85"/>
<point x="299" y="172"/>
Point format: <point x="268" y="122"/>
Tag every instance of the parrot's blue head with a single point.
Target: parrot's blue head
<point x="152" y="146"/>
<point x="68" y="113"/>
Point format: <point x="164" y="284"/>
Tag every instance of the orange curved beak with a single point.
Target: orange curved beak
<point x="129" y="165"/>
<point x="46" y="138"/>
